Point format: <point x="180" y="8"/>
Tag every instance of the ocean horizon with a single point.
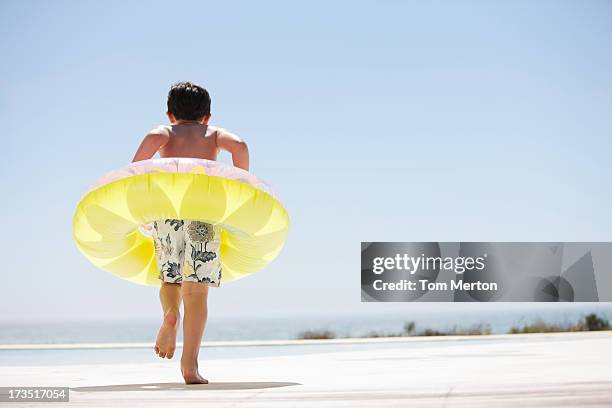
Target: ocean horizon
<point x="287" y="327"/>
<point x="130" y="341"/>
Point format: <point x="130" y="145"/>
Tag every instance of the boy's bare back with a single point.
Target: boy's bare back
<point x="193" y="139"/>
<point x="190" y="140"/>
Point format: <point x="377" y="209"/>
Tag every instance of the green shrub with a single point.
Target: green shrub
<point x="593" y="322"/>
<point x="316" y="335"/>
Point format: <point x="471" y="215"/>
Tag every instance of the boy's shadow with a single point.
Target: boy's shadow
<point x="180" y="386"/>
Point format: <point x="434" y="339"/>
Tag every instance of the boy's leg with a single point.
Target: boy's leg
<point x="170" y="297"/>
<point x="195" y="300"/>
<point x="169" y="242"/>
<point x="202" y="269"/>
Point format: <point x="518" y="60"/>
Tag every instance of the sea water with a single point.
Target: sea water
<point x="497" y="320"/>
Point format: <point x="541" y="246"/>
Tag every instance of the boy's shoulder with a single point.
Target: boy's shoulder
<point x="161" y="130"/>
<point x="215" y="130"/>
<point x="219" y="131"/>
<point x="158" y="135"/>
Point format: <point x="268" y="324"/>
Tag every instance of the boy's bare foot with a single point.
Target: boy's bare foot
<point x="192" y="376"/>
<point x="166" y="338"/>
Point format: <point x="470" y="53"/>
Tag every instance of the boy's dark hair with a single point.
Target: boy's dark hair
<point x="188" y="101"/>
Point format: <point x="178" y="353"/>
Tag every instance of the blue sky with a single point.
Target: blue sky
<point x="396" y="121"/>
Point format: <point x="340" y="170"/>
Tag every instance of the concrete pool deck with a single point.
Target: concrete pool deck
<point x="536" y="370"/>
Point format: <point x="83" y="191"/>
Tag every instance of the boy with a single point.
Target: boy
<point x="188" y="136"/>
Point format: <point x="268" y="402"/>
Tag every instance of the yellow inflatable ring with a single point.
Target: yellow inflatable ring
<point x="107" y="220"/>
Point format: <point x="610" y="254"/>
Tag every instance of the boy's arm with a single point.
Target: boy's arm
<point x="151" y="143"/>
<point x="235" y="146"/>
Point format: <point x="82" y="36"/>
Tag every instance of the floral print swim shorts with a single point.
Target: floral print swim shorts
<point x="187" y="251"/>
